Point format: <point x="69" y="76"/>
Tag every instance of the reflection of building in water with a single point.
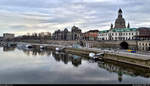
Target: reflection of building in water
<point x="76" y="60"/>
<point x="120" y="76"/>
<point x="112" y="68"/>
<point x="27" y="52"/>
<point x="67" y="58"/>
<point x="36" y="52"/>
<point x="124" y="69"/>
<point x="61" y="57"/>
<point x="5" y="49"/>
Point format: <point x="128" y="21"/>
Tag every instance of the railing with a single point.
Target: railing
<point x="117" y="52"/>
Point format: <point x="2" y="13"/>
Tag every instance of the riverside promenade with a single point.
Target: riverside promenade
<point x="145" y="56"/>
<point x="98" y="50"/>
<point x="142" y="60"/>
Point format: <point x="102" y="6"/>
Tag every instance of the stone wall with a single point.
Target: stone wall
<point x="98" y="44"/>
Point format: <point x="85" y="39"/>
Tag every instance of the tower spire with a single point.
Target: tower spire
<point x="120" y="10"/>
<point x="128" y="25"/>
<point x="120" y="13"/>
<point x="111" y="27"/>
<point x="120" y="21"/>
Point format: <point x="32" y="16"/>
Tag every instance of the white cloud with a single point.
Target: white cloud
<point x="21" y="16"/>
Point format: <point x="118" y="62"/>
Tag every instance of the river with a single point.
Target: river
<point x="22" y="66"/>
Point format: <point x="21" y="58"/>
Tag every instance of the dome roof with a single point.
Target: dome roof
<point x="120" y="20"/>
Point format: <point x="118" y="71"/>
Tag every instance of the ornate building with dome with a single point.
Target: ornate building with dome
<point x="120" y="21"/>
<point x="119" y="31"/>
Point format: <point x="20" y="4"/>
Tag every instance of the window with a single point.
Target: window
<point x="139" y="43"/>
<point x="146" y="44"/>
<point x="116" y="38"/>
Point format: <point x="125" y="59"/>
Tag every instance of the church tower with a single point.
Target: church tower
<point x="111" y="27"/>
<point x="120" y="21"/>
<point x="128" y="25"/>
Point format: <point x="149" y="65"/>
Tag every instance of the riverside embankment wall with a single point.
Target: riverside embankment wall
<point x="129" y="59"/>
<point x="98" y="44"/>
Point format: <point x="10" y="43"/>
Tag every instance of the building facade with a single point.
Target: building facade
<point x="74" y="34"/>
<point x="120" y="21"/>
<point x="144" y="33"/>
<point x="144" y="45"/>
<point x="91" y="35"/>
<point x="8" y="36"/>
<point x="119" y="34"/>
<point x="120" y="31"/>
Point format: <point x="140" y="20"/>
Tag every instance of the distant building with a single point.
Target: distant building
<point x="69" y="36"/>
<point x="119" y="31"/>
<point x="44" y="35"/>
<point x="144" y="45"/>
<point x="1" y="38"/>
<point x="75" y="34"/>
<point x="8" y="36"/>
<point x="120" y="21"/>
<point x="118" y="34"/>
<point x="91" y="35"/>
<point x="144" y="33"/>
<point x="57" y="35"/>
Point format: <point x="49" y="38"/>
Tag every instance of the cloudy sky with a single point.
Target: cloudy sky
<point x="23" y="16"/>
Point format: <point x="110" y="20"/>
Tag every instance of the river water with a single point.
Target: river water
<point x="21" y="66"/>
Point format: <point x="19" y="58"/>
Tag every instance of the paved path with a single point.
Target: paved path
<point x="123" y="53"/>
<point x="118" y="52"/>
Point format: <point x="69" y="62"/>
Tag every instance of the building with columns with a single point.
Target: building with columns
<point x="118" y="34"/>
<point x="144" y="45"/>
<point x="119" y="31"/>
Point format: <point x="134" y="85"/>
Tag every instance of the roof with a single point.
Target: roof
<point x="120" y="11"/>
<point x="93" y="31"/>
<point x="104" y="31"/>
<point x="124" y="29"/>
<point x="119" y="30"/>
<point x="144" y="28"/>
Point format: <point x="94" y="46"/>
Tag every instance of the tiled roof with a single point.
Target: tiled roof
<point x="104" y="31"/>
<point x="124" y="29"/>
<point x="119" y="30"/>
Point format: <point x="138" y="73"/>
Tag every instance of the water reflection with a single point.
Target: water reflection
<point x="36" y="52"/>
<point x="6" y="48"/>
<point x="111" y="66"/>
<point x="66" y="58"/>
<point x="124" y="69"/>
<point x="114" y="67"/>
<point x="58" y="56"/>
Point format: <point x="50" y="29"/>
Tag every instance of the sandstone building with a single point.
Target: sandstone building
<point x="74" y="34"/>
